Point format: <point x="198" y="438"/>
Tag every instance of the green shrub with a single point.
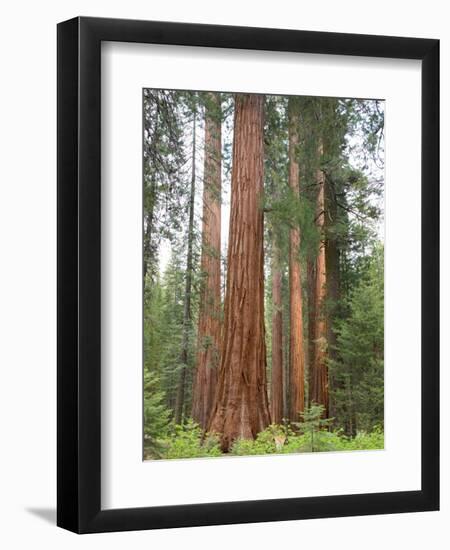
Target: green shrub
<point x="188" y="442"/>
<point x="156" y="417"/>
<point x="314" y="430"/>
<point x="364" y="441"/>
<point x="320" y="441"/>
<point x="269" y="441"/>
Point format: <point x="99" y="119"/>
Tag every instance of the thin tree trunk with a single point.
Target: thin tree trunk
<point x="209" y="323"/>
<point x="319" y="375"/>
<point x="179" y="403"/>
<point x="332" y="261"/>
<point x="311" y="277"/>
<point x="148" y="230"/>
<point x="286" y="380"/>
<point x="149" y="208"/>
<point x="241" y="406"/>
<point x="276" y="403"/>
<point x="296" y="355"/>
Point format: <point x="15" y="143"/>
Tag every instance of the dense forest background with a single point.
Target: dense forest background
<point x="263" y="274"/>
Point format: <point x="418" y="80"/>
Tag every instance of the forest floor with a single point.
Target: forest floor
<point x="188" y="441"/>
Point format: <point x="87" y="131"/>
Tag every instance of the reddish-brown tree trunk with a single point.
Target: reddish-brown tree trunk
<point x="297" y="354"/>
<point x="311" y="283"/>
<point x="241" y="406"/>
<point x="209" y="323"/>
<point x="276" y="394"/>
<point x="319" y="374"/>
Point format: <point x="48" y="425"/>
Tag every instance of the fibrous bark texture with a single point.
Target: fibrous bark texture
<point x="333" y="286"/>
<point x="296" y="347"/>
<point x="276" y="394"/>
<point x="209" y="322"/>
<point x="241" y="407"/>
<point x="311" y="283"/>
<point x="319" y="374"/>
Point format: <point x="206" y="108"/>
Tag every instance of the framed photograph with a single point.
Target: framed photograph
<point x="248" y="288"/>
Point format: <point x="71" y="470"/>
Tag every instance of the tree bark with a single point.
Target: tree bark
<point x="179" y="403"/>
<point x="276" y="394"/>
<point x="311" y="277"/>
<point x="209" y="322"/>
<point x="148" y="230"/>
<point x="297" y="354"/>
<point x="241" y="406"/>
<point x="286" y="338"/>
<point x="319" y="375"/>
<point x="150" y="198"/>
<point x="333" y="287"/>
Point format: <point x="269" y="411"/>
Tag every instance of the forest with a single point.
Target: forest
<point x="263" y="274"/>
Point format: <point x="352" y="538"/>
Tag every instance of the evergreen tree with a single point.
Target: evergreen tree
<point x="359" y="368"/>
<point x="156" y="416"/>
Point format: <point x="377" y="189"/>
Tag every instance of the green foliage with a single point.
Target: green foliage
<point x="358" y="371"/>
<point x="164" y="164"/>
<point x="187" y="441"/>
<point x="163" y="329"/>
<point x="363" y="441"/>
<point x="312" y="427"/>
<point x="335" y="441"/>
<point x="311" y="435"/>
<point x="269" y="441"/>
<point x="319" y="441"/>
<point x="156" y="416"/>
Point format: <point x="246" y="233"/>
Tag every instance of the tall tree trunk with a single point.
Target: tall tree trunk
<point x="148" y="230"/>
<point x="319" y="375"/>
<point x="179" y="403"/>
<point x="241" y="407"/>
<point x="209" y="323"/>
<point x="286" y="322"/>
<point x="150" y="198"/>
<point x="311" y="278"/>
<point x="297" y="354"/>
<point x="332" y="267"/>
<point x="276" y="394"/>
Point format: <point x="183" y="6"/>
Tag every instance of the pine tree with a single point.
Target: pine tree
<point x="187" y="314"/>
<point x="359" y="368"/>
<point x="156" y="416"/>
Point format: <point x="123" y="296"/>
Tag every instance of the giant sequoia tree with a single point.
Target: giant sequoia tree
<point x="209" y="317"/>
<point x="241" y="409"/>
<point x="319" y="367"/>
<point x="296" y="351"/>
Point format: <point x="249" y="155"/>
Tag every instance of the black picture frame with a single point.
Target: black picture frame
<point x="79" y="281"/>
